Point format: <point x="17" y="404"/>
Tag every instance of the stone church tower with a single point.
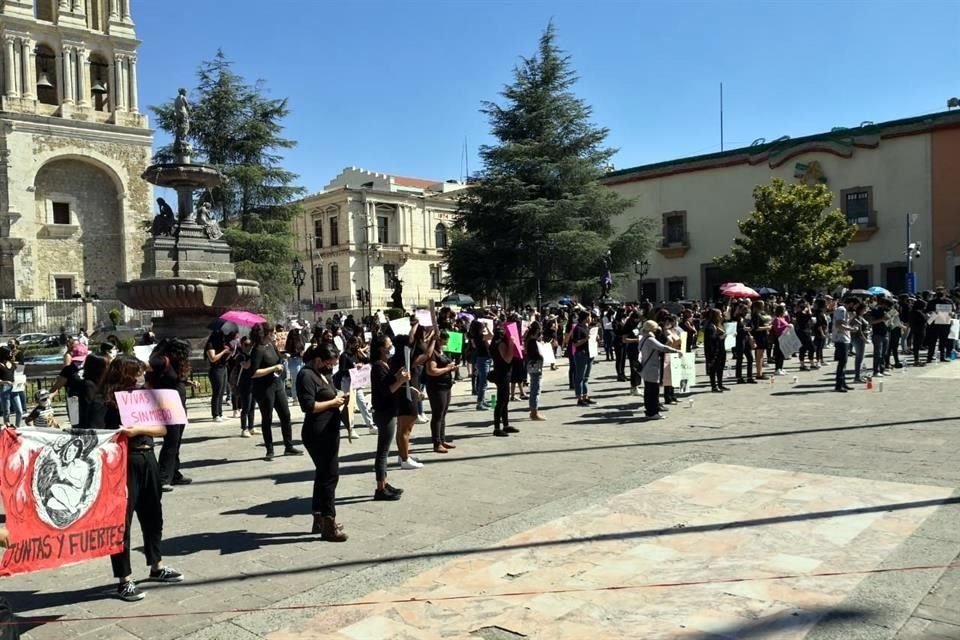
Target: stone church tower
<point x="73" y="144"/>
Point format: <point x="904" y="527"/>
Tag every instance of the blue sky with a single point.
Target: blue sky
<point x="396" y="86"/>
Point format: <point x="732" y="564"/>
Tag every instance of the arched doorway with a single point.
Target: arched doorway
<point x="81" y="232"/>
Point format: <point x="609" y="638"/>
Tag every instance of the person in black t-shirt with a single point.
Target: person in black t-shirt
<point x="269" y="389"/>
<point x="218" y="351"/>
<point x="170" y="369"/>
<point x="877" y="317"/>
<point x="439" y="383"/>
<point x="322" y="405"/>
<point x="386" y="382"/>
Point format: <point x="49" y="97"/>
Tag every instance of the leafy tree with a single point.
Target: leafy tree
<point x="537" y="209"/>
<point x="792" y="239"/>
<point x="235" y="127"/>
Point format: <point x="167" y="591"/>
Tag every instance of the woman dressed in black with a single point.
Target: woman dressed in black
<point x="269" y="389"/>
<point x="713" y="346"/>
<point x="503" y="353"/>
<point x="321" y="404"/>
<point x="170" y="369"/>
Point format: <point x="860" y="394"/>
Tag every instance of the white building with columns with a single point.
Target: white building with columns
<point x="73" y="144"/>
<point x="365" y="229"/>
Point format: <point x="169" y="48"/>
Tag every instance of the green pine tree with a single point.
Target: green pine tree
<point x="792" y="240"/>
<point x="237" y="128"/>
<point x="536" y="210"/>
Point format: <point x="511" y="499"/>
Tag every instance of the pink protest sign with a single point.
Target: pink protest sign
<point x="360" y="376"/>
<point x="514" y="332"/>
<point x="150" y="407"/>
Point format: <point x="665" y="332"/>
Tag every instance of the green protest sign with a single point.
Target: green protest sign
<point x="455" y="343"/>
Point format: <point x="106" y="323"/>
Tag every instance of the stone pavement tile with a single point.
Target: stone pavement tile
<point x="921" y="629"/>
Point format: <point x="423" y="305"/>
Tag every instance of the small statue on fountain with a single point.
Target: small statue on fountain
<point x="210" y="225"/>
<point x="164" y="223"/>
<point x="181" y="122"/>
<point x="606" y="281"/>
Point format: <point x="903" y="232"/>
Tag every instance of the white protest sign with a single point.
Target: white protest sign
<point x="730" y="339"/>
<point x="789" y="342"/>
<point x="942" y="314"/>
<point x="360" y="376"/>
<point x="143" y="352"/>
<point x="338" y="343"/>
<point x="683" y="371"/>
<point x="953" y="335"/>
<point x="593" y="346"/>
<point x="424" y="318"/>
<point x="19" y="381"/>
<point x="400" y="326"/>
<point x="546" y="350"/>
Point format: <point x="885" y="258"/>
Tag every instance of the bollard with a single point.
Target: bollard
<point x="796" y="379"/>
<point x="879" y="386"/>
<point x="690" y="403"/>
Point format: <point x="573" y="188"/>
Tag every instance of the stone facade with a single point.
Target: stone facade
<point x="73" y="144"/>
<point x="407" y="222"/>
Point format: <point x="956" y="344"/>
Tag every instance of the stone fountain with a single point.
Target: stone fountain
<point x="187" y="272"/>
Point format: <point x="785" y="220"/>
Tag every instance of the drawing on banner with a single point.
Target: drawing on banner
<point x="730" y="337"/>
<point x="593" y="344"/>
<point x="64" y="494"/>
<point x="789" y="342"/>
<point x="954" y="330"/>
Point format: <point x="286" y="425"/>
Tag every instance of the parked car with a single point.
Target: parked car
<point x="44" y="339"/>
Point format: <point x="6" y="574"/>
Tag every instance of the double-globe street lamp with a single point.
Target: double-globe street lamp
<point x="299" y="276"/>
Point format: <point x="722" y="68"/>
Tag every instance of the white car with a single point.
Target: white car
<point x="36" y="338"/>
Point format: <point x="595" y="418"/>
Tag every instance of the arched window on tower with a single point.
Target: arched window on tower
<point x="99" y="83"/>
<point x="47" y="75"/>
<point x="441" y="236"/>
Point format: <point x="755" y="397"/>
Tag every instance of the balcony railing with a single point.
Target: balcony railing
<point x="674" y="246"/>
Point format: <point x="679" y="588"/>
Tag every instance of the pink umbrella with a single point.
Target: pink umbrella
<point x="738" y="290"/>
<point x="242" y="318"/>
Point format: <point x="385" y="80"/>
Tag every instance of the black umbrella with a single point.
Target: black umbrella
<point x="224" y="326"/>
<point x="767" y="291"/>
<point x="457" y="300"/>
<point x="859" y="292"/>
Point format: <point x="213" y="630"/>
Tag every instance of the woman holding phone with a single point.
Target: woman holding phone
<point x="439" y="385"/>
<point x="386" y="383"/>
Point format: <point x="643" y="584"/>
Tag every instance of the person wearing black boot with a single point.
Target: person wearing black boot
<point x="503" y="353"/>
<point x="322" y="404"/>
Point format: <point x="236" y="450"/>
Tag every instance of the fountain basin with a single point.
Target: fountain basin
<point x="187" y="295"/>
<point x="184" y="176"/>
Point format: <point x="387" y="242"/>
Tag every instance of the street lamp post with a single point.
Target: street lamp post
<point x="299" y="276"/>
<point x="641" y="267"/>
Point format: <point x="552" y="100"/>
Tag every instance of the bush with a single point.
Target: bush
<point x="115" y="316"/>
<point x="126" y="345"/>
<point x="394" y="313"/>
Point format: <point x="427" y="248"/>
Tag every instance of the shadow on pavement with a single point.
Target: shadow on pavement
<point x="790" y="619"/>
<point x="237" y="541"/>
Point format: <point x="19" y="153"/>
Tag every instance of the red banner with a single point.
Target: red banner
<point x="65" y="496"/>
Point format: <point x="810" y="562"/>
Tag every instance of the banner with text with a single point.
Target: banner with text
<point x="150" y="407"/>
<point x="64" y="494"/>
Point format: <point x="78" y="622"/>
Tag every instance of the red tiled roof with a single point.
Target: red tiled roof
<point x="414" y="182"/>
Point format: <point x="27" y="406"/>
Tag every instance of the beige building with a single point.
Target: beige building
<point x="73" y="144"/>
<point x="882" y="175"/>
<point x="364" y="230"/>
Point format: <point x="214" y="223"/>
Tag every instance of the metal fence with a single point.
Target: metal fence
<point x="47" y="316"/>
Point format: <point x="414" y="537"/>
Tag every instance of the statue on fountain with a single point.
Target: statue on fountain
<point x="164" y="223"/>
<point x="205" y="217"/>
<point x="397" y="296"/>
<point x="181" y="120"/>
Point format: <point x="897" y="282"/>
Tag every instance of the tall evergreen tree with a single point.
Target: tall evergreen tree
<point x="791" y="240"/>
<point x="536" y="211"/>
<point x="238" y="129"/>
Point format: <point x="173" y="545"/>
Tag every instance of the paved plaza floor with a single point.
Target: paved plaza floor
<point x="774" y="511"/>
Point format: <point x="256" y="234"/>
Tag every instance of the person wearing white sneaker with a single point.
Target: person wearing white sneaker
<point x="409" y="395"/>
<point x="143" y="481"/>
<point x="385" y="385"/>
<point x="218" y="351"/>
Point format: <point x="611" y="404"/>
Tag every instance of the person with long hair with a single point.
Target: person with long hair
<point x="386" y="382"/>
<point x="533" y="360"/>
<point x="780" y="324"/>
<point x="503" y="354"/>
<point x="322" y="404"/>
<point x="760" y="325"/>
<point x="631" y="344"/>
<point x="268" y="385"/>
<point x="407" y="399"/>
<point x="859" y="330"/>
<point x="218" y="351"/>
<point x="170" y="369"/>
<point x="714" y="351"/>
<point x="294" y="348"/>
<point x="744" y="347"/>
<point x="91" y="409"/>
<point x="439" y="384"/>
<point x="143" y="482"/>
<point x="479" y="338"/>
